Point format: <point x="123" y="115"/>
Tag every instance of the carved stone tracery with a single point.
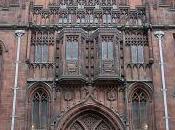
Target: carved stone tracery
<point x="90" y="13"/>
<point x="90" y="121"/>
<point x="40" y="61"/>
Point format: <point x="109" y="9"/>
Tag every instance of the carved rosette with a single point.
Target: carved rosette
<point x="111" y="95"/>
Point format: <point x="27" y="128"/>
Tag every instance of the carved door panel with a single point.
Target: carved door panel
<point x="90" y="122"/>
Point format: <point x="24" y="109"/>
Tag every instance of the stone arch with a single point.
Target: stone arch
<point x="39" y="85"/>
<point x="140" y="106"/>
<point x="142" y="86"/>
<point x="32" y="90"/>
<point x="111" y="120"/>
<point x="3" y="47"/>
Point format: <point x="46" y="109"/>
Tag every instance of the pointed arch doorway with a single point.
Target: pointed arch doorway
<point x="90" y="119"/>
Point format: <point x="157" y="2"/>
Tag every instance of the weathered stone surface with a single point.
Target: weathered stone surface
<point x="89" y="85"/>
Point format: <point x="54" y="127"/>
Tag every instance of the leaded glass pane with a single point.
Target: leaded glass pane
<point x="110" y="50"/>
<point x="135" y="114"/>
<point x="87" y="18"/>
<point x="91" y="18"/>
<point x="107" y="50"/>
<point x="104" y="50"/>
<point x="143" y="113"/>
<point x="72" y="50"/>
<point x="140" y="108"/>
<point x="140" y="54"/>
<point x="60" y="19"/>
<point x="43" y="114"/>
<point x="134" y="53"/>
<point x="45" y="53"/>
<point x="68" y="51"/>
<point x="65" y="19"/>
<point x="75" y="50"/>
<point x="109" y="18"/>
<point x="38" y="53"/>
<point x="70" y="18"/>
<point x="35" y="115"/>
<point x="39" y="110"/>
<point x="82" y="20"/>
<point x="104" y="18"/>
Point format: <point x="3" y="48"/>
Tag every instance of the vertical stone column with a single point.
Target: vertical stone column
<point x="159" y="35"/>
<point x="19" y="34"/>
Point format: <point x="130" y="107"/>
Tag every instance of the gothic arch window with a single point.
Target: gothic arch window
<point x="40" y="110"/>
<point x="140" y="110"/>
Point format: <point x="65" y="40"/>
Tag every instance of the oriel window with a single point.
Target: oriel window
<point x="72" y="50"/>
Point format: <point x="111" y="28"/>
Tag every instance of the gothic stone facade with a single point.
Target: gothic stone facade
<point x="87" y="64"/>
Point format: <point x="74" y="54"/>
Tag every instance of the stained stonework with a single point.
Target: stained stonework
<point x="87" y="64"/>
